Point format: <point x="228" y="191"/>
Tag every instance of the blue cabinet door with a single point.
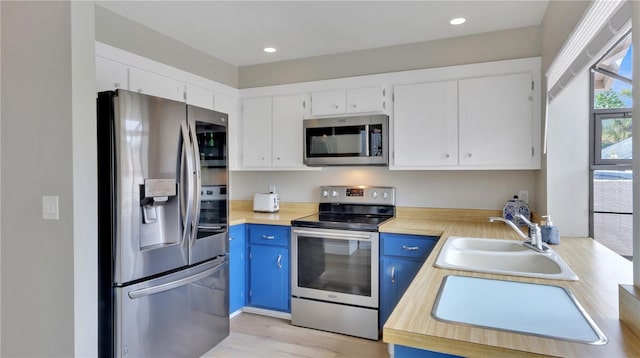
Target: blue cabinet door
<point x="237" y="267"/>
<point x="269" y="277"/>
<point x="401" y="257"/>
<point x="395" y="276"/>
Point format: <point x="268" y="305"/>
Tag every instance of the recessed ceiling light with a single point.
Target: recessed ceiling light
<point x="269" y="49"/>
<point x="458" y="21"/>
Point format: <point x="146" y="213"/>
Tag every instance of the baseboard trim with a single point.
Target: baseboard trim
<point x="265" y="312"/>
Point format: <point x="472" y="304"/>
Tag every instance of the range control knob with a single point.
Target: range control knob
<point x="325" y="193"/>
<point x="385" y="195"/>
<point x="334" y="194"/>
<point x="374" y="194"/>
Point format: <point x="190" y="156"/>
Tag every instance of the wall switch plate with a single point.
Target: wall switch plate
<point x="524" y="196"/>
<point x="50" y="208"/>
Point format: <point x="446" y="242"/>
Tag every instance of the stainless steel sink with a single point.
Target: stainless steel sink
<point x="498" y="256"/>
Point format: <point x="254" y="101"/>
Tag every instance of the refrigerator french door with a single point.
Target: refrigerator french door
<point x="152" y="164"/>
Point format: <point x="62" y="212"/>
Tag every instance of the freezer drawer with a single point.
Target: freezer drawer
<point x="183" y="314"/>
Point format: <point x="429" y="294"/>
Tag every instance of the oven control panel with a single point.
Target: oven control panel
<point x="360" y="194"/>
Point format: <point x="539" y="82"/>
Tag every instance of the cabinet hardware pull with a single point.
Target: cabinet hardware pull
<point x="279" y="263"/>
<point x="269" y="237"/>
<point x="410" y="248"/>
<point x="230" y="238"/>
<point x="393" y="274"/>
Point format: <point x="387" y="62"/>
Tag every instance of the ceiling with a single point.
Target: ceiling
<point x="237" y="31"/>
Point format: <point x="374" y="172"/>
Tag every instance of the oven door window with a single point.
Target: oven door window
<point x="335" y="265"/>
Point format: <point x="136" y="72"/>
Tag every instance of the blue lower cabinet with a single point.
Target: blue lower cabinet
<point x="395" y="276"/>
<point x="237" y="267"/>
<point x="269" y="274"/>
<point x="409" y="352"/>
<point x="269" y="285"/>
<point x="401" y="257"/>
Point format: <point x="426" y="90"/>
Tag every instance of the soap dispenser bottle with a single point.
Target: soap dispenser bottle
<point x="549" y="232"/>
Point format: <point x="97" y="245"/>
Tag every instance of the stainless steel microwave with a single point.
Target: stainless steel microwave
<point x="361" y="140"/>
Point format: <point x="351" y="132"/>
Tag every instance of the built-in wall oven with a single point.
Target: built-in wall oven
<point x="334" y="256"/>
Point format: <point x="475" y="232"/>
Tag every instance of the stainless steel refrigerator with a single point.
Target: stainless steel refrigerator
<point x="163" y="242"/>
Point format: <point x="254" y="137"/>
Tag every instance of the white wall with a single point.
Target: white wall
<point x="37" y="255"/>
<point x="438" y="189"/>
<point x="568" y="159"/>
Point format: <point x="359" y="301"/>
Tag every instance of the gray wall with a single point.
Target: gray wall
<point x="37" y="255"/>
<point x="120" y="32"/>
<point x="492" y="46"/>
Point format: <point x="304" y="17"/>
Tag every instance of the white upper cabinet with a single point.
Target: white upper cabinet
<point x="370" y="99"/>
<point x="328" y="102"/>
<point x="425" y="126"/>
<point x="230" y="106"/>
<point x="353" y="100"/>
<point x="288" y="112"/>
<point x="256" y="132"/>
<point x="199" y="96"/>
<point x="272" y="132"/>
<point x="110" y="75"/>
<point x="496" y="118"/>
<point x="155" y="85"/>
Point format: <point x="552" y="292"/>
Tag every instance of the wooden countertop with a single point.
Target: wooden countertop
<point x="600" y="271"/>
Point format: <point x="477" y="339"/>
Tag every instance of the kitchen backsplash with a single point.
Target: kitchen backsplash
<point x="438" y="189"/>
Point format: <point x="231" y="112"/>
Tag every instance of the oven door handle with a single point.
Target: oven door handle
<point x="330" y="234"/>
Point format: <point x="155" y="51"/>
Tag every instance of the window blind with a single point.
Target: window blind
<point x="603" y="23"/>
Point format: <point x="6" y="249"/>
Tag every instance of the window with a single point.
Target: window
<point x="611" y="149"/>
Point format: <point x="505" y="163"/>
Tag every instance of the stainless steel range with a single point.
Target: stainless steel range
<point x="334" y="256"/>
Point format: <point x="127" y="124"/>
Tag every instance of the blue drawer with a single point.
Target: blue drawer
<point x="411" y="246"/>
<point x="269" y="235"/>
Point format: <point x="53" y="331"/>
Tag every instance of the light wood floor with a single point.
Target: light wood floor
<point x="261" y="336"/>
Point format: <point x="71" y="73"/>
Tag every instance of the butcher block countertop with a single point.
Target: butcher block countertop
<point x="411" y="324"/>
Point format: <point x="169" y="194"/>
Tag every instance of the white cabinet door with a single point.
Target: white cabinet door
<point x="328" y="102"/>
<point x="370" y="99"/>
<point x="425" y="125"/>
<point x="496" y="121"/>
<point x="199" y="96"/>
<point x="110" y="75"/>
<point x="256" y="132"/>
<point x="230" y="106"/>
<point x="288" y="112"/>
<point x="155" y="85"/>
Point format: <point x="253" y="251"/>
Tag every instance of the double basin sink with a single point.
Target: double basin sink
<point x="519" y="307"/>
<point x="505" y="257"/>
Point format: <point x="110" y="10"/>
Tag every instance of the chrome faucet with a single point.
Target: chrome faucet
<point x="534" y="240"/>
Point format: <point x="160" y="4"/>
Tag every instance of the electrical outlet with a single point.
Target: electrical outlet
<point x="524" y="196"/>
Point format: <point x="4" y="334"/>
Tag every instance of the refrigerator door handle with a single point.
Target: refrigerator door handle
<point x="143" y="292"/>
<point x="198" y="187"/>
<point x="187" y="156"/>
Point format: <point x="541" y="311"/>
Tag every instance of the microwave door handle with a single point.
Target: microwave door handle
<point x="196" y="192"/>
<point x="186" y="200"/>
<point x="366" y="141"/>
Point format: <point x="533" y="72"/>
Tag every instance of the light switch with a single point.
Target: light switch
<point x="50" y="208"/>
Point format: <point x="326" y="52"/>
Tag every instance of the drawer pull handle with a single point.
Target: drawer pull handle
<point x="268" y="237"/>
<point x="410" y="248"/>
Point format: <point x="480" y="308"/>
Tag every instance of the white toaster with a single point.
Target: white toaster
<point x="266" y="202"/>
